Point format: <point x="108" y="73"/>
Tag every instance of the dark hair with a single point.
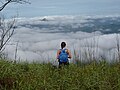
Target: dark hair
<point x="63" y="44"/>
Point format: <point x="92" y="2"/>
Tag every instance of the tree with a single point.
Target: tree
<point x="7" y="27"/>
<point x="4" y="3"/>
<point x="6" y="31"/>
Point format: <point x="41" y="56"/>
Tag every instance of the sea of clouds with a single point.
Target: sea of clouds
<point x="38" y="39"/>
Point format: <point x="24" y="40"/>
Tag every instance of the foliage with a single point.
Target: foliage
<point x="34" y="76"/>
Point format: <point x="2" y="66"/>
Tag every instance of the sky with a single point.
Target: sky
<point x="63" y="7"/>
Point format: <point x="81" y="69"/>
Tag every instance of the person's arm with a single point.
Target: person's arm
<point x="69" y="53"/>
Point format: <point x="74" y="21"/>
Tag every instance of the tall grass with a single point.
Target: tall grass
<point x="88" y="72"/>
<point x="32" y="76"/>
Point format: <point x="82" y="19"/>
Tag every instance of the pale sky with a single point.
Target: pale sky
<point x="64" y="7"/>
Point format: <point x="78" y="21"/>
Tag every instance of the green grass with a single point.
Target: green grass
<point x="33" y="76"/>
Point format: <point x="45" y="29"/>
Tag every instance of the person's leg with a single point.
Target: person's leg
<point x="63" y="64"/>
<point x="60" y="64"/>
<point x="66" y="63"/>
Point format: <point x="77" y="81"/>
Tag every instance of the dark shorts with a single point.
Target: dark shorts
<point x="63" y="63"/>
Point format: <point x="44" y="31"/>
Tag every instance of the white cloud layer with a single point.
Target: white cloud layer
<point x="35" y="44"/>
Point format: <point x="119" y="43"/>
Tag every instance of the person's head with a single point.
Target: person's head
<point x="63" y="44"/>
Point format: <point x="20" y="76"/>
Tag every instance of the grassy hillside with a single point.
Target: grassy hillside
<point x="33" y="76"/>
